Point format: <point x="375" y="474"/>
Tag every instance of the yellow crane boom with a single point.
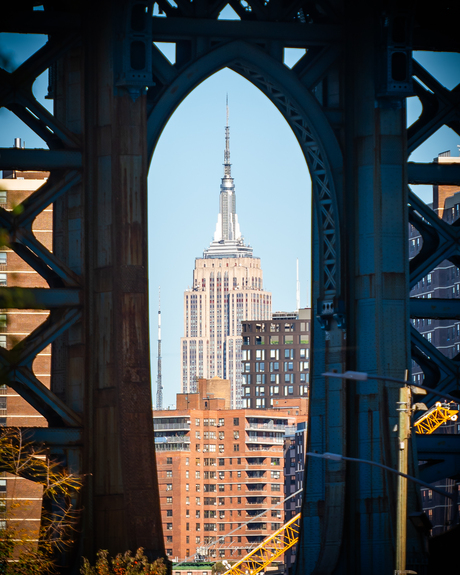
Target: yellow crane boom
<point x="268" y="550"/>
<point x="440" y="413"/>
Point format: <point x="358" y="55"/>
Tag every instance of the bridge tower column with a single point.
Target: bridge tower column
<point x="108" y="361"/>
<point x="378" y="334"/>
<point x="349" y="512"/>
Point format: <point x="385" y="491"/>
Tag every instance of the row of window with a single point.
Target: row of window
<point x="221" y="474"/>
<point x="302" y="339"/>
<point x="209" y="461"/>
<point x="262" y="378"/>
<point x="276" y="327"/>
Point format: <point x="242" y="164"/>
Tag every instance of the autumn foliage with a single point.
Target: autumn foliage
<point x="123" y="564"/>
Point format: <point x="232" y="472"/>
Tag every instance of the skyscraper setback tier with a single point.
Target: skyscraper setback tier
<point x="227" y="289"/>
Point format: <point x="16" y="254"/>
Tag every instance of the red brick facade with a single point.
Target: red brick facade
<point x="22" y="498"/>
<point x="217" y="469"/>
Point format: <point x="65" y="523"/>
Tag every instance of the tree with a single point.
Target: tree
<point x="19" y="555"/>
<point x="123" y="564"/>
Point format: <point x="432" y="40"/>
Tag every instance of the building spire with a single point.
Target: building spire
<point x="228" y="241"/>
<point x="227" y="165"/>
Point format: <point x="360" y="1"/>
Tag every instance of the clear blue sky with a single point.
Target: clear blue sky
<point x="271" y="179"/>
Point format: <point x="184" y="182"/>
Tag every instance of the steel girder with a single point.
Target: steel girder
<point x="355" y="146"/>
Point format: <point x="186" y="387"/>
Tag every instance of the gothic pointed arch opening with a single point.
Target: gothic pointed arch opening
<point x="306" y="119"/>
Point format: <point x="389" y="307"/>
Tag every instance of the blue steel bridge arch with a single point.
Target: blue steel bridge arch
<point x="314" y="134"/>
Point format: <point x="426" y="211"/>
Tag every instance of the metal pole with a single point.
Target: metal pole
<point x="403" y="457"/>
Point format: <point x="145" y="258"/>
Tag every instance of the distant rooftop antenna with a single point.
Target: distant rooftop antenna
<point x="159" y="402"/>
<point x="298" y="287"/>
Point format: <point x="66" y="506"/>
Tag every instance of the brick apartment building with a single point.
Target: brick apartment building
<point x="217" y="469"/>
<point x="15" y="325"/>
<point x="276" y="359"/>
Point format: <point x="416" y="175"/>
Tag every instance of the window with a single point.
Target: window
<point x="169" y="474"/>
<point x="236" y="435"/>
<point x="198" y="500"/>
<point x="275" y="474"/>
<point x="3" y="258"/>
<point x="221" y="421"/>
<point x="169" y="526"/>
<point x="276" y="487"/>
<point x="187" y="487"/>
<point x="169" y="461"/>
<point x="169" y="512"/>
<point x="187" y="526"/>
<point x="221" y="462"/>
<point x="197" y="435"/>
<point x="169" y="487"/>
<point x="169" y="538"/>
<point x="197" y="422"/>
<point x="236" y="447"/>
<point x="236" y="421"/>
<point x="3" y="281"/>
<point x="169" y="500"/>
<point x="260" y="354"/>
<point x="221" y="434"/>
<point x="197" y="487"/>
<point x="221" y="526"/>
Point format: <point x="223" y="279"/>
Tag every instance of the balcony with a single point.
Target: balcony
<point x="270" y="427"/>
<point x="255" y="500"/>
<point x="172" y="443"/>
<point x="255" y="486"/>
<point x="172" y="439"/>
<point x="172" y="447"/>
<point x="256" y="527"/>
<point x="178" y="426"/>
<point x="264" y="448"/>
<point x="262" y="439"/>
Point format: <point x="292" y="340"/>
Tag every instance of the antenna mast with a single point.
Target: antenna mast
<point x="298" y="287"/>
<point x="159" y="404"/>
<point x="227" y="165"/>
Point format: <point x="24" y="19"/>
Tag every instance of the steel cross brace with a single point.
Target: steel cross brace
<point x="440" y="107"/>
<point x="441" y="372"/>
<point x="18" y="224"/>
<point x="16" y="368"/>
<point x="441" y="241"/>
<point x="16" y="94"/>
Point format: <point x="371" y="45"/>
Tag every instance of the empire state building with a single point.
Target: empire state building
<point x="227" y="290"/>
